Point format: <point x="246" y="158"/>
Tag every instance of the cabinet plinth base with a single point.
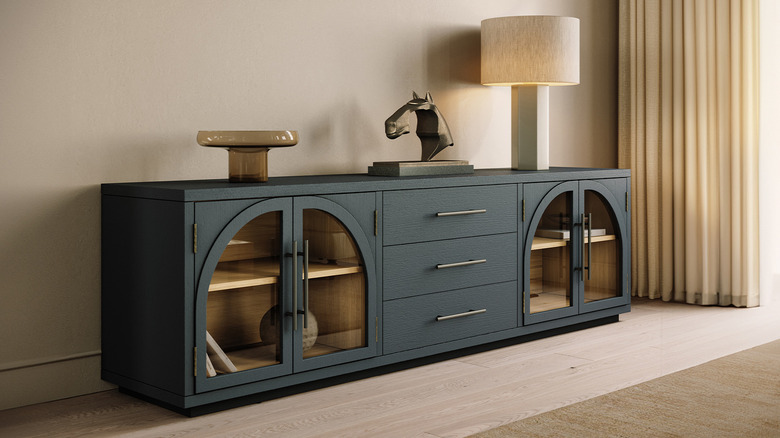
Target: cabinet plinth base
<point x="377" y="368"/>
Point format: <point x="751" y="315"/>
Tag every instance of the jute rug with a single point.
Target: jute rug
<point x="734" y="396"/>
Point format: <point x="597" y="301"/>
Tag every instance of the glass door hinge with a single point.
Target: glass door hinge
<point x="376" y="329"/>
<point x="195" y="238"/>
<point x="523" y="210"/>
<point x="195" y="362"/>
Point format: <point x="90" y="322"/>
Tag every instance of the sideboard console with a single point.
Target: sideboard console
<point x="215" y="293"/>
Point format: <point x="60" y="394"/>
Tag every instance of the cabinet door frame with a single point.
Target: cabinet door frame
<point x="577" y="188"/>
<point x="357" y="233"/>
<point x="619" y="214"/>
<point x="536" y="216"/>
<point x="292" y="361"/>
<point x="202" y="382"/>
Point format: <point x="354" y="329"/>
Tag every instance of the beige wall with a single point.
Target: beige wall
<point x="96" y="91"/>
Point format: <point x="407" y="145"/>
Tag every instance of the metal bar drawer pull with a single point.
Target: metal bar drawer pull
<point x="460" y="213"/>
<point x="466" y="263"/>
<point x="461" y="315"/>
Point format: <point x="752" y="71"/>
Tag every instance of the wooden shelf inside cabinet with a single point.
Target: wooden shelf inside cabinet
<point x="244" y="273"/>
<point x="322" y="270"/>
<point x="260" y="272"/>
<point x="547" y="243"/>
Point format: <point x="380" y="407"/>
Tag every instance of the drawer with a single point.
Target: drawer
<point x="435" y="214"/>
<point x="412" y="322"/>
<point x="422" y="268"/>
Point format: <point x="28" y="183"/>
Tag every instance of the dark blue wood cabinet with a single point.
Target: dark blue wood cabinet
<point x="217" y="294"/>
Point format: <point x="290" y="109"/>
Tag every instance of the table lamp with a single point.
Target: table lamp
<point x="531" y="53"/>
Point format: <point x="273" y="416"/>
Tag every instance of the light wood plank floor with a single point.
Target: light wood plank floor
<point x="453" y="398"/>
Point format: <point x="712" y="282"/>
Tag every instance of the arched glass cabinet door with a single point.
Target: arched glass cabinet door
<point x="603" y="244"/>
<point x="244" y="295"/>
<point x="241" y="299"/>
<point x="288" y="285"/>
<point x="336" y="295"/>
<point x="551" y="254"/>
<point x="576" y="242"/>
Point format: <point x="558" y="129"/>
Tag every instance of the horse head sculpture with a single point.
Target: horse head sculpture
<point x="431" y="126"/>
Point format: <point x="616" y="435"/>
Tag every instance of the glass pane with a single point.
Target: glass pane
<point x="603" y="250"/>
<point x="242" y="312"/>
<point x="337" y="287"/>
<point x="550" y="270"/>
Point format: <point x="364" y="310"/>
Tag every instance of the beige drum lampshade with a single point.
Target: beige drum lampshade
<point x="533" y="49"/>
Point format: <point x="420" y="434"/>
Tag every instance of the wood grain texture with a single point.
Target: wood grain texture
<point x="339" y="304"/>
<point x="453" y="398"/>
<point x="245" y="273"/>
<point x="696" y="402"/>
<point x="156" y="285"/>
<point x="235" y="275"/>
<point x="209" y="190"/>
<point x="604" y="267"/>
<point x="546" y="242"/>
<point x="410" y="215"/>
<point x="410" y="270"/>
<point x="233" y="316"/>
<point x="411" y="322"/>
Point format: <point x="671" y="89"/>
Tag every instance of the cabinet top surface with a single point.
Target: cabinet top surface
<point x="218" y="189"/>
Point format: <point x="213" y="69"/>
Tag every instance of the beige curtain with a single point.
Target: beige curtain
<point x="689" y="132"/>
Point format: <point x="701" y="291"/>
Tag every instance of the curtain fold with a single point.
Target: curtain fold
<point x="689" y="132"/>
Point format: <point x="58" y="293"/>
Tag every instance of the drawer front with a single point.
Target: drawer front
<point x="435" y="214"/>
<point x="412" y="322"/>
<point x="422" y="268"/>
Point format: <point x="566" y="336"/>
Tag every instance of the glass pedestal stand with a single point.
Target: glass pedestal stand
<point x="247" y="150"/>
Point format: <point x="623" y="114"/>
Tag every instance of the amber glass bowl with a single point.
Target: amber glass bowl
<point x="247" y="150"/>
